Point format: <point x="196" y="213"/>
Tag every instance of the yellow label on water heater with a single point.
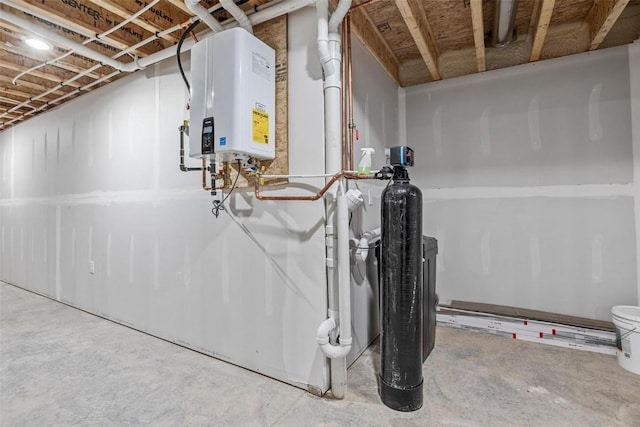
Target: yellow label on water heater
<point x="260" y="126"/>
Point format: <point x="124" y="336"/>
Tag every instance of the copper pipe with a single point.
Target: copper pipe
<point x="319" y="194"/>
<point x="204" y="175"/>
<point x="350" y="93"/>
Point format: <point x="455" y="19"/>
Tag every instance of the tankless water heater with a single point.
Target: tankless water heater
<point x="232" y="97"/>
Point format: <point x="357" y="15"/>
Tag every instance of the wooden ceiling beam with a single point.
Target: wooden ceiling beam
<point x="124" y="13"/>
<point x="478" y="34"/>
<point x="601" y="17"/>
<point x="367" y="33"/>
<point x="29" y="85"/>
<point x="91" y="20"/>
<point x="35" y="73"/>
<point x="180" y="5"/>
<point x="62" y="65"/>
<point x="541" y="28"/>
<point x="10" y="41"/>
<point x="418" y="25"/>
<point x="25" y="95"/>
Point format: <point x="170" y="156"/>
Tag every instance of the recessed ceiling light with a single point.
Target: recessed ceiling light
<point x="38" y="44"/>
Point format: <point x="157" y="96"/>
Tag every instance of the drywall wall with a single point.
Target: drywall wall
<point x="95" y="185"/>
<point x="97" y="181"/>
<point x="527" y="176"/>
<point x="375" y="115"/>
<point x="634" y="92"/>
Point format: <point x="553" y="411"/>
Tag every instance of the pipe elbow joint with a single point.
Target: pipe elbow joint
<point x="335" y="351"/>
<point x="325" y="328"/>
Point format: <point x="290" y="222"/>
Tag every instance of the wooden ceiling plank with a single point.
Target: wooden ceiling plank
<point x="369" y="36"/>
<point x="478" y="33"/>
<point x="541" y="28"/>
<point x="35" y="73"/>
<point x="25" y="95"/>
<point x="84" y="19"/>
<point x="140" y="22"/>
<point x="180" y="5"/>
<point x="62" y="65"/>
<point x="601" y="17"/>
<point x="416" y="20"/>
<point x="31" y="85"/>
<point x="50" y="72"/>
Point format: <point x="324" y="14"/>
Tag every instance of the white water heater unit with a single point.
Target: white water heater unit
<point x="232" y="97"/>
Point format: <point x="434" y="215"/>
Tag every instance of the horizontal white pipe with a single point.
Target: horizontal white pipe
<point x="78" y="47"/>
<point x="284" y="7"/>
<point x="238" y="14"/>
<point x="204" y="15"/>
<point x="89" y="40"/>
<point x="52" y="19"/>
<point x="264" y="15"/>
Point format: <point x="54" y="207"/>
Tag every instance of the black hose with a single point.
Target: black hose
<point x="182" y="38"/>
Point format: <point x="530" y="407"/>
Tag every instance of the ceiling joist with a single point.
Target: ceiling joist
<point x="35" y="73"/>
<point x="124" y="13"/>
<point x="544" y="17"/>
<point x="30" y="85"/>
<point x="90" y="20"/>
<point x="367" y="33"/>
<point x="25" y="95"/>
<point x="478" y="33"/>
<point x="601" y="18"/>
<point x="416" y="20"/>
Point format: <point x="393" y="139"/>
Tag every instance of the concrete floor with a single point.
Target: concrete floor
<point x="61" y="366"/>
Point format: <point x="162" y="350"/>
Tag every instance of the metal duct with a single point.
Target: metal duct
<point x="503" y="22"/>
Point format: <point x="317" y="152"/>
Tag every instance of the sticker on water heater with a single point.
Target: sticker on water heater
<point x="260" y="66"/>
<point x="223" y="141"/>
<point x="260" y="126"/>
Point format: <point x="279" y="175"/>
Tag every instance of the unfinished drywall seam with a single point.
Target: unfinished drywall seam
<point x="634" y="92"/>
<point x="402" y="116"/>
<point x="12" y="164"/>
<point x="551" y="191"/>
<point x="58" y="280"/>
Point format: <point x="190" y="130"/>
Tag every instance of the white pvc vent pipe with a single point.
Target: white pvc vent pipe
<point x="204" y="15"/>
<point x="238" y="14"/>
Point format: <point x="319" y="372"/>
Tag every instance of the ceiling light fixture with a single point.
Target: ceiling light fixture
<point x="38" y="44"/>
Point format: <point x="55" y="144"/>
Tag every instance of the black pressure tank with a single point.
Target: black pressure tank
<point x="401" y="299"/>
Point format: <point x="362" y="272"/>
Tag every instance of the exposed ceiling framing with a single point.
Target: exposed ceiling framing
<point x="415" y="41"/>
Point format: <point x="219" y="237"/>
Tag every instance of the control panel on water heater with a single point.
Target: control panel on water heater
<point x="232" y="97"/>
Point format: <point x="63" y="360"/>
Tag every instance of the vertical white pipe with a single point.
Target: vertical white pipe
<point x="237" y="13"/>
<point x="204" y="15"/>
<point x="344" y="266"/>
<point x="322" y="7"/>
